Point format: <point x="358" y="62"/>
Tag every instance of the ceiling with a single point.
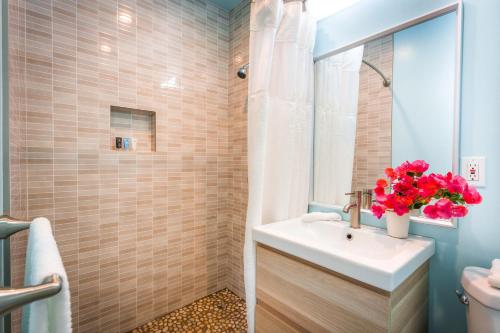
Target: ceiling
<point x="319" y="8"/>
<point x="226" y="4"/>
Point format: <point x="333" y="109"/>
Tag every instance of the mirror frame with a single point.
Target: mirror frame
<point x="453" y="7"/>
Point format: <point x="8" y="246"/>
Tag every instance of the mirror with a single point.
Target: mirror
<point x="391" y="99"/>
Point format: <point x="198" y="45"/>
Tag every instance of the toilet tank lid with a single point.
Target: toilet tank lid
<point x="475" y="283"/>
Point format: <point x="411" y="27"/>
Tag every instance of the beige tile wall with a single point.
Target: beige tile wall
<point x="17" y="131"/>
<point x="238" y="91"/>
<point x="17" y="105"/>
<point x="373" y="129"/>
<point x="141" y="234"/>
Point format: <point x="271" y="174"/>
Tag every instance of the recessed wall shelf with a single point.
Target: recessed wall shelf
<point x="137" y="127"/>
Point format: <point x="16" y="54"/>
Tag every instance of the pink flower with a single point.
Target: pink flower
<point x="403" y="186"/>
<point x="401" y="209"/>
<point x="428" y="187"/>
<point x="378" y="211"/>
<point x="381" y="198"/>
<point x="389" y="172"/>
<point x="456" y="184"/>
<point x="444" y="207"/>
<point x="415" y="168"/>
<point x="471" y="196"/>
<point x="419" y="167"/>
<point x="459" y="211"/>
<point x="380" y="191"/>
<point x="403" y="169"/>
<point x="399" y="204"/>
<point x="382" y="183"/>
<point x="431" y="212"/>
<point x="439" y="179"/>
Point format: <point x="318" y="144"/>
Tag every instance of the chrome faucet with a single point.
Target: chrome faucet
<point x="355" y="207"/>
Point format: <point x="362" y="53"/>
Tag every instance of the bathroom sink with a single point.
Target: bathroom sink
<point x="367" y="254"/>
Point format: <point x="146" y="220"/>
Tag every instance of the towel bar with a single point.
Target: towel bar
<point x="11" y="298"/>
<point x="9" y="226"/>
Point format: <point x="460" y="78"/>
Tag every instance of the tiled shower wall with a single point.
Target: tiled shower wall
<point x="141" y="234"/>
<point x="238" y="91"/>
<point x="17" y="122"/>
<point x="373" y="127"/>
<point x="17" y="136"/>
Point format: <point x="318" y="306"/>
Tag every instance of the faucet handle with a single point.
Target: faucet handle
<point x="355" y="197"/>
<point x="367" y="198"/>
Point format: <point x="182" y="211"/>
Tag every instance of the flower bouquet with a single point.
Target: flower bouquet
<point x="408" y="188"/>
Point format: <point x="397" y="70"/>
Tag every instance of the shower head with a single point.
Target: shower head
<point x="242" y="72"/>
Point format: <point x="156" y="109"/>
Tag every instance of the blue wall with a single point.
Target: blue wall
<point x="476" y="241"/>
<point x="366" y="18"/>
<point x="423" y="85"/>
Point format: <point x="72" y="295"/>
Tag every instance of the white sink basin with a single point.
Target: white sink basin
<point x="370" y="256"/>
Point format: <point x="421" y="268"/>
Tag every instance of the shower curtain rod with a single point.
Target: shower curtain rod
<point x="386" y="82"/>
<point x="303" y="1"/>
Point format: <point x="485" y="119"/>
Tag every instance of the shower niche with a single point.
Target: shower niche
<point x="132" y="130"/>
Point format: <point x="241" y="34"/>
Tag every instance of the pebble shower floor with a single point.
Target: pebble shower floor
<point x="221" y="312"/>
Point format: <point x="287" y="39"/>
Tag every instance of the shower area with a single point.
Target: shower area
<point x="157" y="222"/>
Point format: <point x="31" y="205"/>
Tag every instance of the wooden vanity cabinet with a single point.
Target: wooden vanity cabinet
<point x="294" y="295"/>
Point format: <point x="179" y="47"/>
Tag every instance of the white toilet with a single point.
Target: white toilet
<point x="482" y="300"/>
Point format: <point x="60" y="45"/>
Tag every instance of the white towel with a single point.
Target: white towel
<point x="53" y="314"/>
<point x="494" y="277"/>
<point x="320" y="216"/>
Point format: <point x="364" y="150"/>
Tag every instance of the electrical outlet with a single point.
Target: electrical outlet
<point x="474" y="170"/>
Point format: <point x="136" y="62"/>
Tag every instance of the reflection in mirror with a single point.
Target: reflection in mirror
<point x="336" y="104"/>
<point x="363" y="127"/>
<point x="373" y="128"/>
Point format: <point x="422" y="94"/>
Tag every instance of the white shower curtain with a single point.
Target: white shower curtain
<point x="337" y="90"/>
<point x="280" y="121"/>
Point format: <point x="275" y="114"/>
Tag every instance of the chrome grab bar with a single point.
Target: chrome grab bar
<point x="11" y="298"/>
<point x="9" y="226"/>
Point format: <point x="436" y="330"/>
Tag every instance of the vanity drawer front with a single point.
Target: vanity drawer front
<point x="316" y="299"/>
<point x="268" y="321"/>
